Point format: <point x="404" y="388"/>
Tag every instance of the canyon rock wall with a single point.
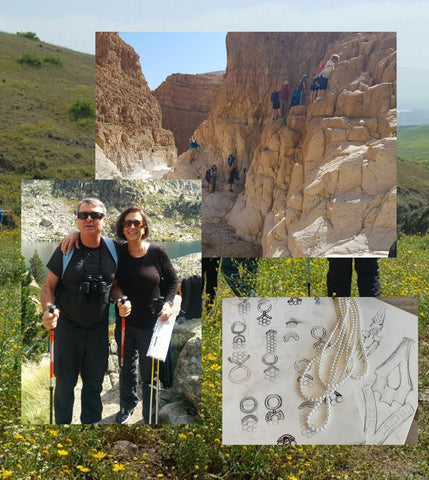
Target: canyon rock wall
<point x="128" y="117"/>
<point x="185" y="102"/>
<point x="324" y="182"/>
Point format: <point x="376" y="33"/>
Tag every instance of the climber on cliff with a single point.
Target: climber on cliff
<point x="302" y="87"/>
<point x="284" y="98"/>
<point x="232" y="170"/>
<point x="213" y="178"/>
<point x="193" y="145"/>
<point x="275" y="100"/>
<point x="320" y="81"/>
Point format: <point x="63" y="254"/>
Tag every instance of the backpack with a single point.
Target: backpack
<point x="110" y="244"/>
<point x="275" y="97"/>
<point x="190" y="290"/>
<point x="296" y="96"/>
<point x="285" y="91"/>
<point x="208" y="175"/>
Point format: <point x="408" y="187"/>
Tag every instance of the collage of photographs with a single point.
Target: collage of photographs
<point x="201" y="268"/>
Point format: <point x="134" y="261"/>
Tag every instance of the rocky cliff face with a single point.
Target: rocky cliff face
<point x="185" y="102"/>
<point x="128" y="117"/>
<point x="324" y="183"/>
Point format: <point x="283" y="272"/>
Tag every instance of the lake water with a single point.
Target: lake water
<point x="45" y="249"/>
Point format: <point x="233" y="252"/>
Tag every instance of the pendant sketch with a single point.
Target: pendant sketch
<point x="286" y="439"/>
<point x="393" y="384"/>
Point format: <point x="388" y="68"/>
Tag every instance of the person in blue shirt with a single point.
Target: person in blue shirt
<point x="213" y="178"/>
<point x="193" y="145"/>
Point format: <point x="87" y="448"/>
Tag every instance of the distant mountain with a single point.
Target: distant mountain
<point x="39" y="83"/>
<point x="418" y="116"/>
<point x="413" y="143"/>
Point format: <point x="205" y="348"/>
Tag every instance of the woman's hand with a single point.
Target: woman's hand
<point x="67" y="242"/>
<point x="124" y="308"/>
<point x="166" y="312"/>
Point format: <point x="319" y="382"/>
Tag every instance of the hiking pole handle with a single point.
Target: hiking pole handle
<point x="123" y="299"/>
<point x="51" y="309"/>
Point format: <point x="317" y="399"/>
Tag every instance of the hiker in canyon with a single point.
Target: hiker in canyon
<point x="213" y="178"/>
<point x="320" y="81"/>
<point x="193" y="145"/>
<point x="339" y="277"/>
<point x="232" y="170"/>
<point x="275" y="100"/>
<point x="302" y="87"/>
<point x="79" y="284"/>
<point x="284" y="98"/>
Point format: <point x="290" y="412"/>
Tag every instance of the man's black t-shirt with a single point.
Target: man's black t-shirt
<point x="76" y="308"/>
<point x="139" y="279"/>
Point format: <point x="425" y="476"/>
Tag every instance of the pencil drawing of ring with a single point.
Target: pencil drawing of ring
<point x="270" y="358"/>
<point x="248" y="404"/>
<point x="239" y="374"/>
<point x="238" y="327"/>
<point x="319" y="333"/>
<point x="277" y="398"/>
<point x="264" y="305"/>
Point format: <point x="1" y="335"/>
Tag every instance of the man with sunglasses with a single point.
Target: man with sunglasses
<point x="80" y="288"/>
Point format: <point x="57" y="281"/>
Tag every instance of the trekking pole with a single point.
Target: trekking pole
<point x="51" y="309"/>
<point x="157" y="392"/>
<point x="151" y="392"/>
<point x="308" y="260"/>
<point x="123" y="299"/>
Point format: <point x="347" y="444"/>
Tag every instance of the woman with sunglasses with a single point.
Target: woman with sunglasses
<point x="142" y="266"/>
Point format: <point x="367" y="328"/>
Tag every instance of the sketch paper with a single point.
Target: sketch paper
<point x="267" y="344"/>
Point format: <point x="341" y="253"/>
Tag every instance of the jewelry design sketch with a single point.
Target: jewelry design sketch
<point x="371" y="337"/>
<point x="272" y="371"/>
<point x="244" y="307"/>
<point x="264" y="306"/>
<point x="248" y="423"/>
<point x="294" y="301"/>
<point x="393" y="384"/>
<point x="240" y="373"/>
<point x="286" y="439"/>
<point x="318" y="333"/>
<point x="290" y="335"/>
<point x="271" y="341"/>
<point x="248" y="404"/>
<point x="239" y="340"/>
<point x="274" y="414"/>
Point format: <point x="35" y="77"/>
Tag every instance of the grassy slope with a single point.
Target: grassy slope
<point x="413" y="143"/>
<point x="38" y="137"/>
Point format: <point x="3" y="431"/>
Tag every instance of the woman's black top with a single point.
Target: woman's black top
<point x="140" y="278"/>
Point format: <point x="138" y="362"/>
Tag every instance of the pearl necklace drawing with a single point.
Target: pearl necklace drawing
<point x="341" y="357"/>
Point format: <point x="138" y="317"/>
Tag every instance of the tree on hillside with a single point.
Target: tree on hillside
<point x="36" y="266"/>
<point x="32" y="330"/>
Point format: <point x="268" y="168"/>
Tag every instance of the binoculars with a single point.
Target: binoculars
<point x="93" y="286"/>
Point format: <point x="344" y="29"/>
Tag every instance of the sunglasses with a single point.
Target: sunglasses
<point x="136" y="223"/>
<point x="93" y="215"/>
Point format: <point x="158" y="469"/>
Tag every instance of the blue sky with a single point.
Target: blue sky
<point x="72" y="24"/>
<point x="164" y="53"/>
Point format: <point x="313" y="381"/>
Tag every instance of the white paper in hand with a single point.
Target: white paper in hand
<point x="161" y="337"/>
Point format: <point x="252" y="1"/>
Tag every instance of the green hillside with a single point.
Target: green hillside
<point x="413" y="196"/>
<point x="39" y="137"/>
<point x="413" y="143"/>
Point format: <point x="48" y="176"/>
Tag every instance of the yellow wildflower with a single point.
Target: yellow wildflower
<point x="118" y="467"/>
<point x="63" y="452"/>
